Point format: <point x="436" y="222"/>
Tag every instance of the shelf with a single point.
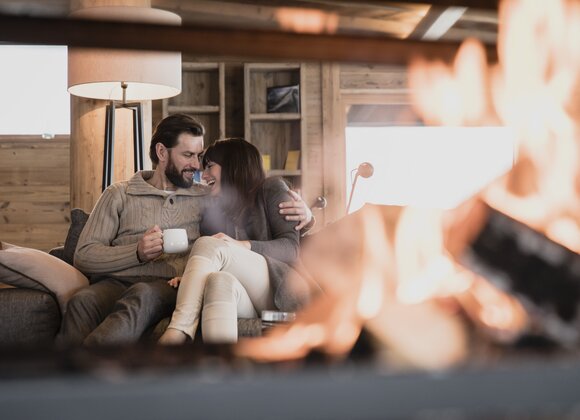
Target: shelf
<point x="191" y="66"/>
<point x="202" y="96"/>
<point x="272" y="66"/>
<point x="193" y="109"/>
<point x="284" y="172"/>
<point x="281" y="116"/>
<point x="275" y="134"/>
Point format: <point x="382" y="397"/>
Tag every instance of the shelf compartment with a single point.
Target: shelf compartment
<point x="193" y="109"/>
<point x="202" y="96"/>
<point x="281" y="116"/>
<point x="272" y="67"/>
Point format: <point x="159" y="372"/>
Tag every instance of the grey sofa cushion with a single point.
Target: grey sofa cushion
<point x="78" y="219"/>
<point x="28" y="317"/>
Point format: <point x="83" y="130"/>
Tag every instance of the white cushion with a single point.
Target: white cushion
<point x="34" y="269"/>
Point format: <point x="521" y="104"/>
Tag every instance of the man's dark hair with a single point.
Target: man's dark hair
<point x="169" y="129"/>
<point x="242" y="172"/>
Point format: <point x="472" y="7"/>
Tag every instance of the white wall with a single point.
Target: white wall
<point x="33" y="90"/>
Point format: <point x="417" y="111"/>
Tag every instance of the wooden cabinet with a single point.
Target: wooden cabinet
<point x="278" y="135"/>
<point x="202" y="96"/>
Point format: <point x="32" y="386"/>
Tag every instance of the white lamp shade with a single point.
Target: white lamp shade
<point x="98" y="73"/>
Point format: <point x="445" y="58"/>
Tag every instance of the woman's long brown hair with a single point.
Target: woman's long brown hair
<point x="242" y="173"/>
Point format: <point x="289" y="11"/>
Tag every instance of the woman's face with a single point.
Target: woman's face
<point x="212" y="176"/>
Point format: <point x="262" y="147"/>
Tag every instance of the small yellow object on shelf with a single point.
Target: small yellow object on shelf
<point x="266" y="162"/>
<point x="292" y="160"/>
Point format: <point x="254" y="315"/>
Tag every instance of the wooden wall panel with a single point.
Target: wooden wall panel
<point x="333" y="144"/>
<point x="342" y="86"/>
<point x="360" y="78"/>
<point x="34" y="191"/>
<point x="34" y="173"/>
<point x="234" y="100"/>
<point x="313" y="178"/>
<point x="42" y="236"/>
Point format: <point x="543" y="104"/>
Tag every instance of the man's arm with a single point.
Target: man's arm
<point x="297" y="210"/>
<point x="95" y="252"/>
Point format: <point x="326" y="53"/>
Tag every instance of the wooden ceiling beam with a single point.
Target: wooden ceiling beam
<point x="476" y="4"/>
<point x="267" y="17"/>
<point x="221" y="42"/>
<point x="437" y="23"/>
<point x="387" y="4"/>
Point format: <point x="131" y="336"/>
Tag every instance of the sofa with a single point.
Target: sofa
<point x="35" y="285"/>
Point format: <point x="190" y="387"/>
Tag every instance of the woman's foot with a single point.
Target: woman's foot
<point x="171" y="336"/>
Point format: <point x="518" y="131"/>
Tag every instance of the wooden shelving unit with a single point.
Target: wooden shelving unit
<point x="202" y="96"/>
<point x="275" y="134"/>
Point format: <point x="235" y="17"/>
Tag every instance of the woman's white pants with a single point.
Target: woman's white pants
<point x="228" y="282"/>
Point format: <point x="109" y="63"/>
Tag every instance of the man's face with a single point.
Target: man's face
<point x="183" y="160"/>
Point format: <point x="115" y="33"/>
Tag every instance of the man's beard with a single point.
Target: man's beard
<point x="176" y="177"/>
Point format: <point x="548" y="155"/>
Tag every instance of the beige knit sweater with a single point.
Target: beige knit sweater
<point x="125" y="210"/>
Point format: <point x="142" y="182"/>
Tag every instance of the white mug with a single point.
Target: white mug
<point x="174" y="241"/>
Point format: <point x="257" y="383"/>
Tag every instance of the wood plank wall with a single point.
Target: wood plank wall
<point x="34" y="173"/>
<point x="312" y="173"/>
<point x="312" y="148"/>
<point x="342" y="86"/>
<point x="34" y="191"/>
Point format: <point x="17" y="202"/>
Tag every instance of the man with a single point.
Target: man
<point x="121" y="246"/>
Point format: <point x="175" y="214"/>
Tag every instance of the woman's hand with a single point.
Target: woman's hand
<point x="243" y="244"/>
<point x="174" y="282"/>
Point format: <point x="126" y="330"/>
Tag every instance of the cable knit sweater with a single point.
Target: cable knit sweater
<point x="125" y="210"/>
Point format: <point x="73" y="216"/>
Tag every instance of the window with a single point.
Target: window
<point x="426" y="166"/>
<point x="33" y="90"/>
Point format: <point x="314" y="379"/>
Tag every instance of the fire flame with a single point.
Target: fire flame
<point x="390" y="276"/>
<point x="307" y="20"/>
<point x="532" y="90"/>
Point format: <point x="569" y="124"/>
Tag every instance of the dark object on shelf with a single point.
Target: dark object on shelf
<point x="283" y="99"/>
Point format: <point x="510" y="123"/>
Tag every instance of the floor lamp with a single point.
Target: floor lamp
<point x="365" y="170"/>
<point x="124" y="77"/>
<point x="138" y="151"/>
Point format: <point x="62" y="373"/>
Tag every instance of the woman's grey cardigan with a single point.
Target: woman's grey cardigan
<point x="271" y="236"/>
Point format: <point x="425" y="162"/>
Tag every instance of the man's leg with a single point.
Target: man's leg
<point x="87" y="309"/>
<point x="140" y="306"/>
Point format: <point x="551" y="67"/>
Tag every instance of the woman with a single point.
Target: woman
<point x="244" y="267"/>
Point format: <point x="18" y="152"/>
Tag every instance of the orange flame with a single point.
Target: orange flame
<point x="533" y="89"/>
<point x="307" y="20"/>
<point x="530" y="90"/>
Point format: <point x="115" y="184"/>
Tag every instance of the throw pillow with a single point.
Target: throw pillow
<point x="78" y="219"/>
<point x="34" y="269"/>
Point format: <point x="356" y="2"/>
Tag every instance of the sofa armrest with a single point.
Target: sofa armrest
<point x="27" y="317"/>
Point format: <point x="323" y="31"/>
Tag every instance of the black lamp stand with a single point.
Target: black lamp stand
<point x="110" y="139"/>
